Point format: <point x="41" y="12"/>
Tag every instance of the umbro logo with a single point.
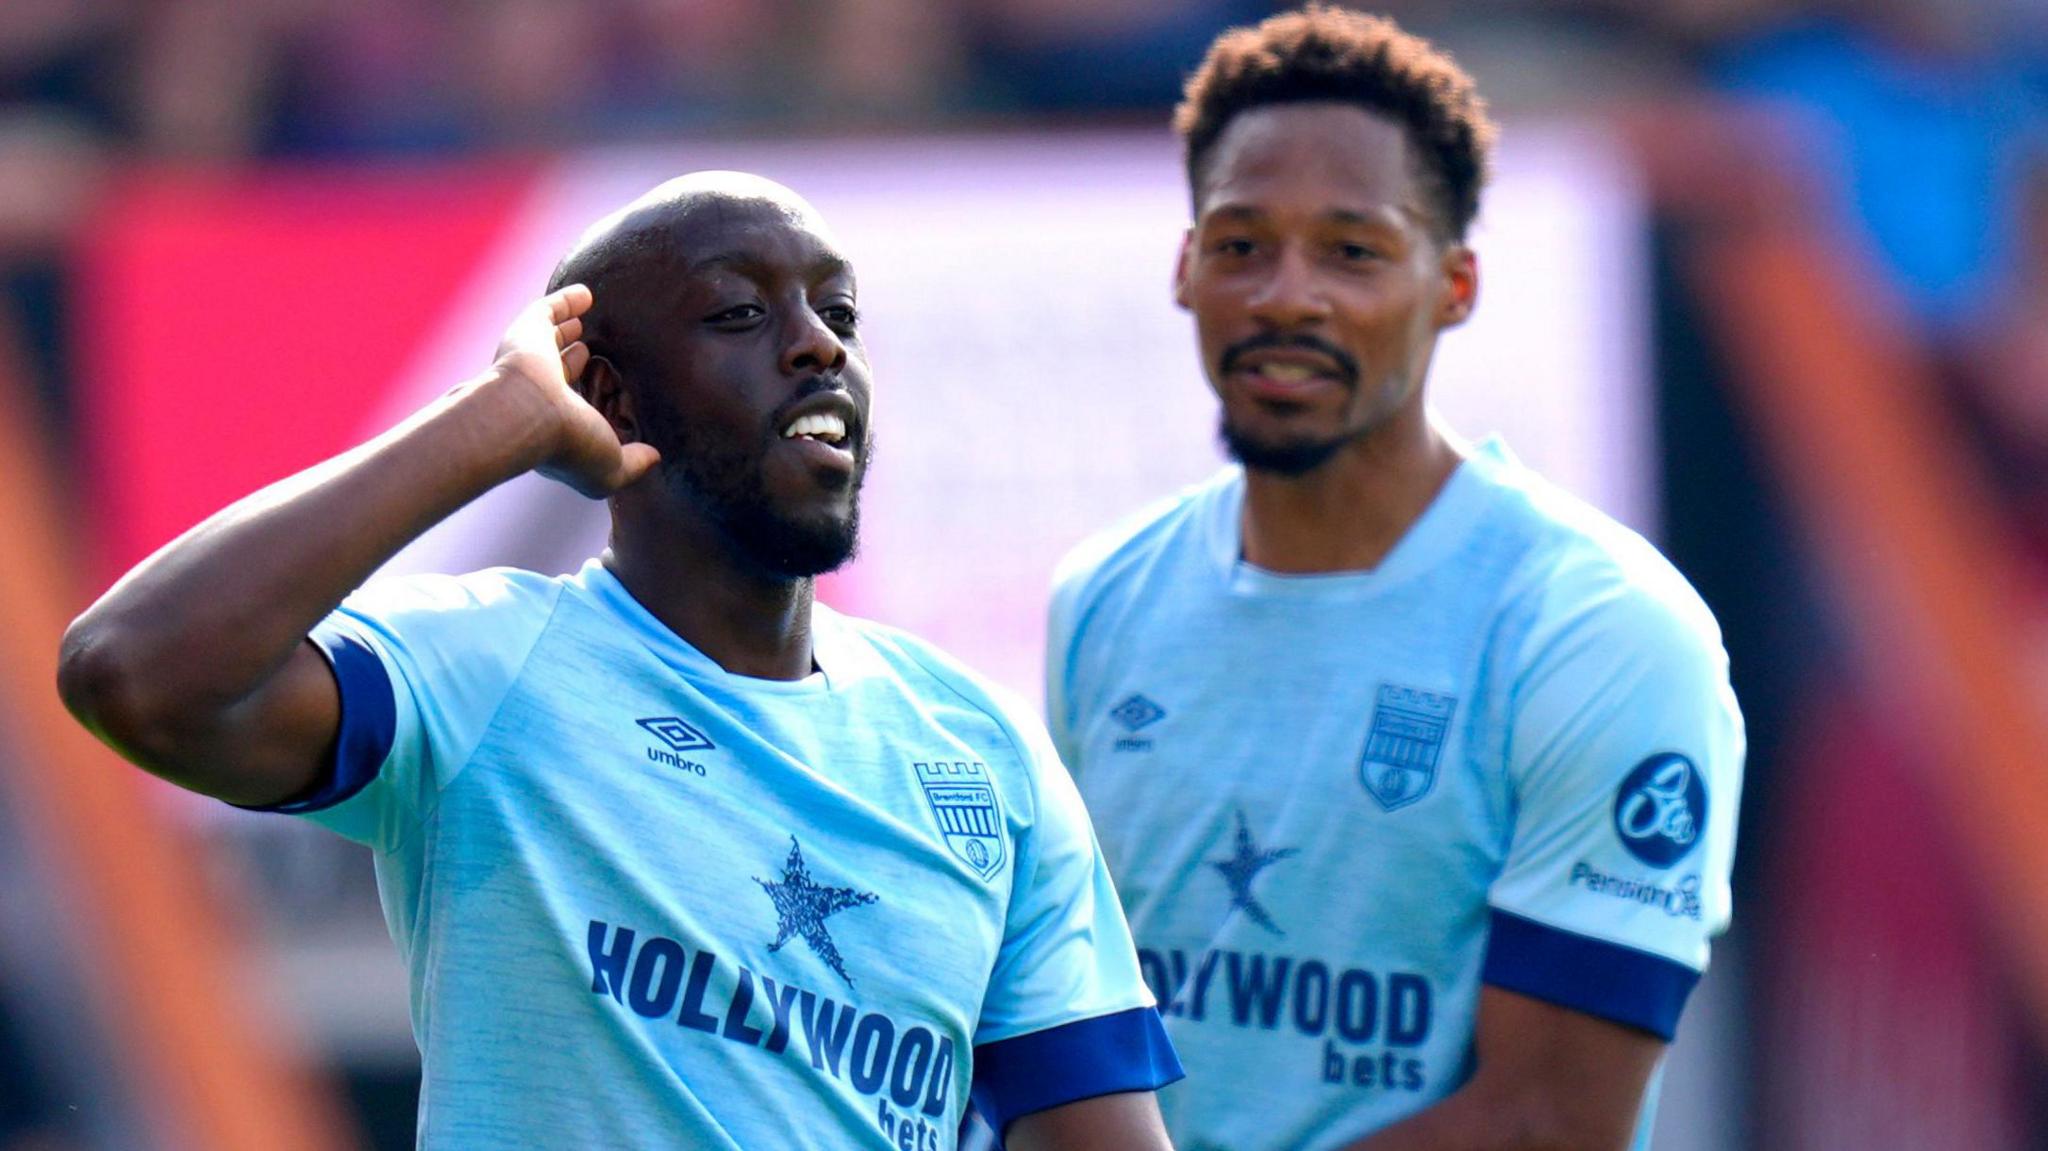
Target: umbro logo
<point x="1137" y="713"/>
<point x="1134" y="715"/>
<point x="679" y="737"/>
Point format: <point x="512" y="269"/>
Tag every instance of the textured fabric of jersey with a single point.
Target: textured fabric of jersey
<point x="648" y="904"/>
<point x="1335" y="805"/>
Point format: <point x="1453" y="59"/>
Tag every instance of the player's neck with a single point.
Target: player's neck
<point x="748" y="623"/>
<point x="1349" y="513"/>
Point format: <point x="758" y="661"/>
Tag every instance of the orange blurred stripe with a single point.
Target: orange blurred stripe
<point x="214" y="1071"/>
<point x="1847" y="405"/>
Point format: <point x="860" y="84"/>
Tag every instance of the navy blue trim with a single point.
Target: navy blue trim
<point x="369" y="724"/>
<point x="1127" y="1051"/>
<point x="1586" y="974"/>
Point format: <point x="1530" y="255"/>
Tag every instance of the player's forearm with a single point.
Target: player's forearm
<point x="1478" y="1119"/>
<point x="1126" y="1121"/>
<point x="205" y="621"/>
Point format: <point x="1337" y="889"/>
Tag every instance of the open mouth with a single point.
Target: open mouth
<point x="822" y="439"/>
<point x="1283" y="367"/>
<point x="822" y="427"/>
<point x="1288" y="373"/>
<point x="1285" y="380"/>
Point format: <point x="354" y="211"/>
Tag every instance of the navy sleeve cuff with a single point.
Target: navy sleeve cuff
<point x="1127" y="1051"/>
<point x="1586" y="974"/>
<point x="369" y="724"/>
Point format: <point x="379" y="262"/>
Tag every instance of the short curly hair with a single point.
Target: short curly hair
<point x="1323" y="53"/>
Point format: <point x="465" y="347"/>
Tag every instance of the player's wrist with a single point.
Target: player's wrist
<point x="512" y="420"/>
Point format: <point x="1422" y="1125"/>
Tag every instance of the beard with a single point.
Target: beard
<point x="1288" y="458"/>
<point x="724" y="479"/>
<point x="1293" y="456"/>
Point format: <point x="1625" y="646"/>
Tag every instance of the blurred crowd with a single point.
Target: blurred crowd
<point x="86" y="82"/>
<point x="1926" y="114"/>
<point x="229" y="79"/>
<point x="87" y="85"/>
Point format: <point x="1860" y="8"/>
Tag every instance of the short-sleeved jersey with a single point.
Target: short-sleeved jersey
<point x="648" y="904"/>
<point x="1336" y="805"/>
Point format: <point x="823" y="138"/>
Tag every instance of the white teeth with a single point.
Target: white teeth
<point x="826" y="427"/>
<point x="1287" y="373"/>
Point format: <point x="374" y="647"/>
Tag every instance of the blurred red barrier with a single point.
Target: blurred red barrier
<point x="194" y="396"/>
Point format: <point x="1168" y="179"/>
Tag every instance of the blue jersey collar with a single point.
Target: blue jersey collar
<point x="827" y="650"/>
<point x="1432" y="538"/>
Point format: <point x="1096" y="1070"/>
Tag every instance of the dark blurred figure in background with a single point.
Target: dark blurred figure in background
<point x="2006" y="397"/>
<point x="1924" y="119"/>
<point x="60" y="108"/>
<point x="384" y="77"/>
<point x="1094" y="56"/>
<point x="25" y="1120"/>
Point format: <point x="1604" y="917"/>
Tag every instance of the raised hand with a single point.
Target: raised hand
<point x="543" y="349"/>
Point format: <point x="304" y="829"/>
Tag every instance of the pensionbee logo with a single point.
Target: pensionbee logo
<point x="1660" y="810"/>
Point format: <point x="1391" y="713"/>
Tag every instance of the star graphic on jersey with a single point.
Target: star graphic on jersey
<point x="801" y="907"/>
<point x="1239" y="871"/>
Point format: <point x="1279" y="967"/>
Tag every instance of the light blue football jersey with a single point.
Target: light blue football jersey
<point x="648" y="904"/>
<point x="1335" y="805"/>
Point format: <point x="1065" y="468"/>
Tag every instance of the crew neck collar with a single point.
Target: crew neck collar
<point x="683" y="656"/>
<point x="1433" y="537"/>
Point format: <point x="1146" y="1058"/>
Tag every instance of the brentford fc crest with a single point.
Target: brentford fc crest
<point x="963" y="801"/>
<point x="1408" y="728"/>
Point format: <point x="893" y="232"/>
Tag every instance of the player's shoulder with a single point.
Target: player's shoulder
<point x="1584" y="567"/>
<point x="498" y="591"/>
<point x="927" y="669"/>
<point x="457" y="642"/>
<point x="938" y="678"/>
<point x="1131" y="544"/>
<point x="493" y="609"/>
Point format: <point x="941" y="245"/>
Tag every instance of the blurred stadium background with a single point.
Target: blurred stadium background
<point x="1768" y="280"/>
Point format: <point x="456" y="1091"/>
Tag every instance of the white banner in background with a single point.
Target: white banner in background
<point x="1034" y="381"/>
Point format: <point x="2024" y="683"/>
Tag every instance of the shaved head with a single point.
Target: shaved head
<point x="624" y="256"/>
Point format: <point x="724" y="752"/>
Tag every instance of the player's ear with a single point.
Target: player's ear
<point x="603" y="388"/>
<point x="1461" y="285"/>
<point x="1181" y="293"/>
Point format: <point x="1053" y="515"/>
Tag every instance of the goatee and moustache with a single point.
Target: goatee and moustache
<point x="725" y="479"/>
<point x="1293" y="457"/>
